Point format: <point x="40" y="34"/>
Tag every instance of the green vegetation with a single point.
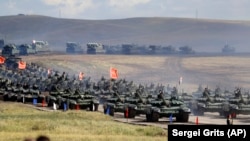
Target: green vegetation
<point x="19" y="121"/>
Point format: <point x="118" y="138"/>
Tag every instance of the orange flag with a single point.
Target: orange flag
<point x="113" y="73"/>
<point x="21" y="65"/>
<point x="2" y="60"/>
<point x="81" y="75"/>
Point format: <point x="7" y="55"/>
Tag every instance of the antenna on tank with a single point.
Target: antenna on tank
<point x="60" y="12"/>
<point x="196" y="14"/>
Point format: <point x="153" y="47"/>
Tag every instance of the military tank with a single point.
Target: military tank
<point x="239" y="104"/>
<point x="169" y="106"/>
<point x="82" y="99"/>
<point x="114" y="103"/>
<point x="137" y="104"/>
<point x="207" y="103"/>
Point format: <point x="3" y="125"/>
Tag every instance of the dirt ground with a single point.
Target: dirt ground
<point x="227" y="72"/>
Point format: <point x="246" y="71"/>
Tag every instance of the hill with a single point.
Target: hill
<point x="203" y="35"/>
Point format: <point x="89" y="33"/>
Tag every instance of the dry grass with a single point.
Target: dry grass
<point x="19" y="121"/>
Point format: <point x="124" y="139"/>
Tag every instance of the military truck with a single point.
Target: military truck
<point x="228" y="49"/>
<point x="41" y="46"/>
<point x="95" y="48"/>
<point x="26" y="49"/>
<point x="169" y="106"/>
<point x="186" y="50"/>
<point x="73" y="48"/>
<point x="9" y="50"/>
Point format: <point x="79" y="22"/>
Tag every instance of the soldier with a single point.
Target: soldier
<point x="160" y="95"/>
<point x="217" y="92"/>
<point x="206" y="93"/>
<point x="237" y="92"/>
<point x="174" y="91"/>
<point x="229" y="120"/>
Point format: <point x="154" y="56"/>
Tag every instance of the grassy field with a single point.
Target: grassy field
<point x="18" y="121"/>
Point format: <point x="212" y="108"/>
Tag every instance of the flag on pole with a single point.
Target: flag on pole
<point x="21" y="65"/>
<point x="81" y="75"/>
<point x="49" y="71"/>
<point x="180" y="81"/>
<point x="113" y="73"/>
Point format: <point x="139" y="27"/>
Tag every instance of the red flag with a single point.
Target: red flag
<point x="21" y="65"/>
<point x="81" y="75"/>
<point x="2" y="60"/>
<point x="113" y="73"/>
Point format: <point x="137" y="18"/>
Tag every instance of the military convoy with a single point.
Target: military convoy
<point x="36" y="47"/>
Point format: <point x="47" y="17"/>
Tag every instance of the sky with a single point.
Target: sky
<point x="119" y="9"/>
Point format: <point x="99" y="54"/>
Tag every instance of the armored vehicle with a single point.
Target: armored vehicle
<point x="137" y="104"/>
<point x="207" y="103"/>
<point x="228" y="49"/>
<point x="73" y="48"/>
<point x="41" y="46"/>
<point x="239" y="104"/>
<point x="12" y="62"/>
<point x="26" y="49"/>
<point x="186" y="50"/>
<point x="95" y="48"/>
<point x="169" y="106"/>
<point x="10" y="49"/>
<point x="113" y="104"/>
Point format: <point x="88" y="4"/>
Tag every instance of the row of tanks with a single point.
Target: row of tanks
<point x="224" y="103"/>
<point x="153" y="107"/>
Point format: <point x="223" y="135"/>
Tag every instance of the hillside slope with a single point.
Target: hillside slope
<point x="201" y="34"/>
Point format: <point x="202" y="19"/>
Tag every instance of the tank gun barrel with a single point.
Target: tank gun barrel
<point x="118" y="96"/>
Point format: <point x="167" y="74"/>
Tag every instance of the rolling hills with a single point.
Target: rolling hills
<point x="203" y="35"/>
